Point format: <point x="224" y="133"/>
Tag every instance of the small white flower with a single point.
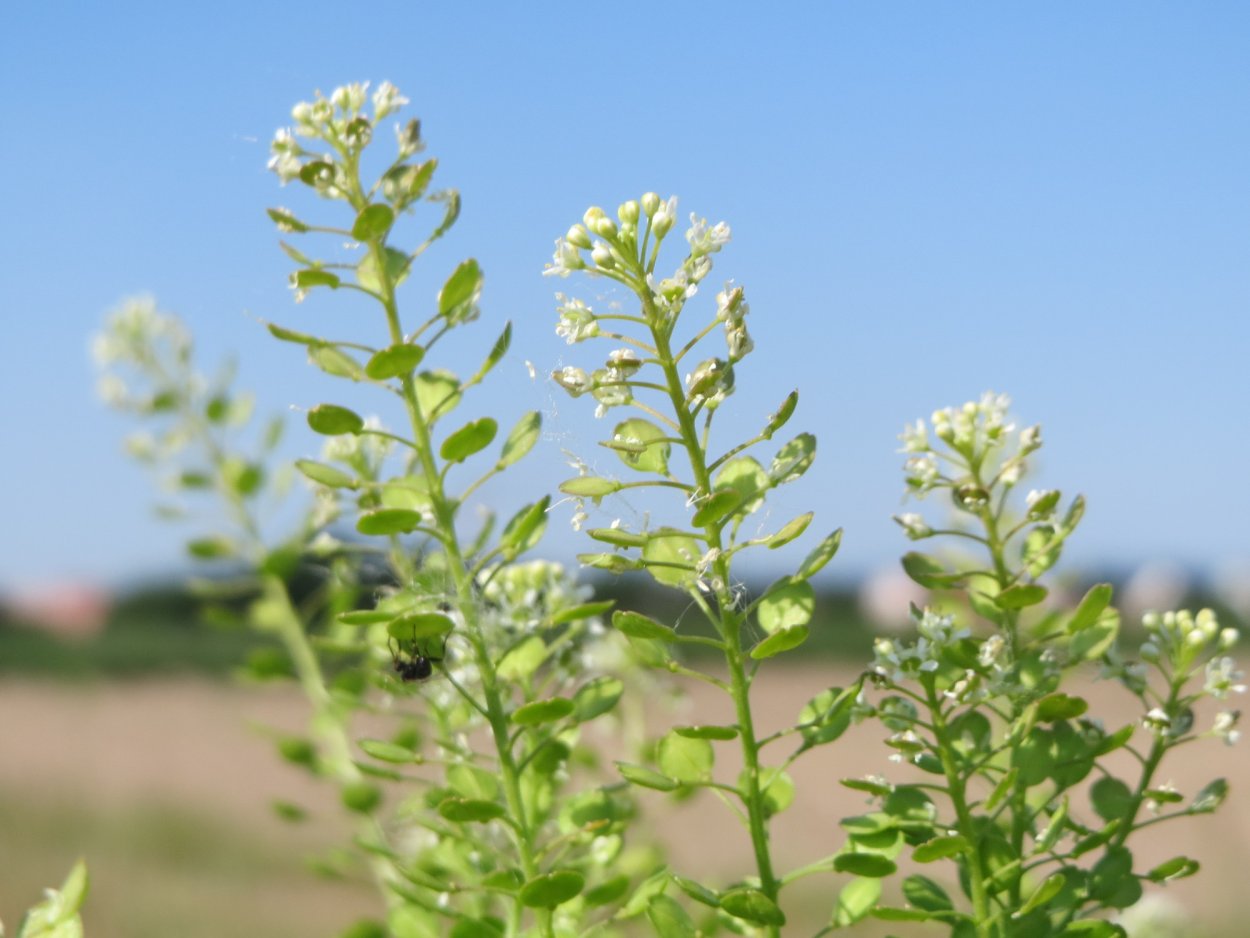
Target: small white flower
<point x="1223" y="678"/>
<point x="387" y="100"/>
<point x="915" y="439"/>
<point x="706" y="240"/>
<point x="573" y="379"/>
<point x="914" y="525"/>
<point x="1157" y="721"/>
<point x="1226" y="726"/>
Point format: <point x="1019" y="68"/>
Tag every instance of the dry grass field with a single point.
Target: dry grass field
<point x="166" y="787"/>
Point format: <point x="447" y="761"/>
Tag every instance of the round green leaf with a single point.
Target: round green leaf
<point x="793" y="459"/>
<point x="394" y="361"/>
<point x="315" y="277"/>
<point x="715" y="507"/>
<point x="393" y="267"/>
<point x="332" y="420"/>
<point x="697" y="891"/>
<point x="784" y="640"/>
<point x="746" y="478"/>
<point x="415" y="626"/>
<point x="470" y="810"/>
<point x="685" y="759"/>
<point x="334" y="361"/>
<point x="469" y="439"/>
<point x="1090" y="608"/>
<point x="373" y="222"/>
<point x="606" y="892"/>
<point x="597" y="697"/>
<point x="1111" y="798"/>
<point x="542" y="711"/>
<point x="752" y="905"/>
<point x="670" y="556"/>
<point x="1020" y="596"/>
<point x="640" y="444"/>
<point x="361" y="797"/>
<point x="549" y="890"/>
<point x="1060" y="707"/>
<point x="786" y="605"/>
<point x="855" y="901"/>
<point x="438" y="392"/>
<point x="476" y="928"/>
<point x="522" y="659"/>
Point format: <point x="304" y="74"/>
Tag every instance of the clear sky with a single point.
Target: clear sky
<point x="928" y="201"/>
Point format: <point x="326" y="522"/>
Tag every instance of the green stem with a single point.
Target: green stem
<point x="444" y="511"/>
<point x="728" y="622"/>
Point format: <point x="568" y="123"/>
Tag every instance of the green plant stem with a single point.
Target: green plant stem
<point x="729" y="623"/>
<point x="444" y="521"/>
<point x="956" y="786"/>
<point x="328" y="727"/>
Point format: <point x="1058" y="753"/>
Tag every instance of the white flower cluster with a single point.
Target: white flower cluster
<point x="577" y="320"/>
<point x="1179" y="638"/>
<point x="731" y="309"/>
<point x="897" y="660"/>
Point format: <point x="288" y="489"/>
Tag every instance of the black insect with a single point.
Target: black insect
<point x="412" y="665"/>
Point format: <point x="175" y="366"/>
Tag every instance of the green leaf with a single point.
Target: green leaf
<point x="707" y="732"/>
<point x="668" y="919"/>
<point x="687" y="760"/>
<point x="784" y="640"/>
<point x="285" y="220"/>
<point x="1175" y="868"/>
<point x="1094" y="641"/>
<point x="1020" y="596"/>
<point x="645" y="777"/>
<point x="336" y="362"/>
<point x="753" y="906"/>
<point x="457" y="301"/>
<point x="864" y="864"/>
<point x="617" y="537"/>
<point x="322" y="474"/>
<point x="438" y="393"/>
<point x="1210" y="797"/>
<point x="697" y="891"/>
<point x="925" y="894"/>
<point x="373" y="222"/>
<point x="589" y="487"/>
<point x="395" y="361"/>
<point x="583" y="611"/>
<point x="393" y="269"/>
<point x="793" y="459"/>
<point x="636" y="625"/>
<point x="607" y="891"/>
<point x="548" y="890"/>
<point x="469" y="439"/>
<point x="1047" y="890"/>
<point x="1092" y="928"/>
<point x="715" y="507"/>
<point x="781" y="416"/>
<point x="522" y="659"/>
<point x="403" y="185"/>
<point x="613" y="563"/>
<point x="1060" y="707"/>
<point x="525" y="529"/>
<point x="786" y="605"/>
<point x="475" y="928"/>
<point x="792" y="529"/>
<point x="410" y="492"/>
<point x="597" y="697"/>
<point x="776" y="789"/>
<point x="386" y="521"/>
<point x="415" y="626"/>
<point x="856" y="900"/>
<point x="820" y="555"/>
<point x="939" y="848"/>
<point x="365" y="616"/>
<point x="290" y="335"/>
<point x="211" y="548"/>
<point x="826" y="716"/>
<point x="640" y="444"/>
<point x="315" y="277"/>
<point x="521" y="440"/>
<point x="927" y="572"/>
<point x="57" y="915"/>
<point x="1109" y="874"/>
<point x="388" y="752"/>
<point x="1090" y="608"/>
<point x="746" y="478"/>
<point x="470" y="810"/>
<point x="670" y="556"/>
<point x="361" y="797"/>
<point x="332" y="420"/>
<point x="542" y="711"/>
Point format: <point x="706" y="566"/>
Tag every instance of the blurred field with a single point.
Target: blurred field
<point x="165" y="787"/>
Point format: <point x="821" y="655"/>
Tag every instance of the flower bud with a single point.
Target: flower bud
<point x="1228" y="638"/>
<point x="602" y="256"/>
<point x="577" y="235"/>
<point x="627" y="212"/>
<point x="593" y="214"/>
<point x="662" y="224"/>
<point x="913" y="525"/>
<point x="1149" y="651"/>
<point x="650" y="203"/>
<point x="605" y="227"/>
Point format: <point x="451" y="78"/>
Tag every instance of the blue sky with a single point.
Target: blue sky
<point x="928" y="201"/>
